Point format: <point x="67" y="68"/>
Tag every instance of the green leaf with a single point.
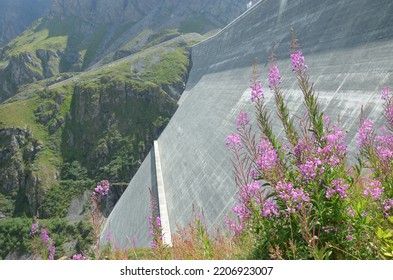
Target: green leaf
<point x="380" y="233"/>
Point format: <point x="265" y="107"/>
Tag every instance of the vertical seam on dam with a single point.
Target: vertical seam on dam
<point x="166" y="230"/>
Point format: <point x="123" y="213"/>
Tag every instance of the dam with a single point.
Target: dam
<point x="348" y="47"/>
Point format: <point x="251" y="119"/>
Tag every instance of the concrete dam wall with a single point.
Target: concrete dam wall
<point x="348" y="46"/>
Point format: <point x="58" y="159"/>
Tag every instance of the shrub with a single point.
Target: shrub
<point x="299" y="198"/>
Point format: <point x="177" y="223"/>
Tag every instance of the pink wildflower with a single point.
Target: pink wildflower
<point x="267" y="156"/>
<point x="269" y="209"/>
<point x="78" y="257"/>
<point x="242" y="120"/>
<point x="52" y="252"/>
<point x="274" y="78"/>
<point x="337" y="187"/>
<point x="385" y="93"/>
<point x="34" y="228"/>
<point x="102" y="189"/>
<point x="256" y="92"/>
<point x="234" y="141"/>
<point x="366" y="132"/>
<point x="312" y="169"/>
<point x="374" y="190"/>
<point x="44" y="236"/>
<point x="298" y="65"/>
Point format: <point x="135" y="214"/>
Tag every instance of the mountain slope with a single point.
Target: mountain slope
<point x="17" y="15"/>
<point x="76" y="34"/>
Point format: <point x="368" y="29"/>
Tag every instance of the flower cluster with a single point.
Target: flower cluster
<point x="385" y="93"/>
<point x="234" y="142"/>
<point x="312" y="169"/>
<point x="293" y="197"/>
<point x="274" y="78"/>
<point x="268" y="157"/>
<point x="242" y="120"/>
<point x="375" y="190"/>
<point x="242" y="212"/>
<point x="52" y="252"/>
<point x="298" y="64"/>
<point x="270" y="209"/>
<point x="34" y="228"/>
<point x="102" y="189"/>
<point x="233" y="226"/>
<point x="78" y="257"/>
<point x="43" y="245"/>
<point x="387" y="205"/>
<point x="337" y="187"/>
<point x="155" y="230"/>
<point x="335" y="149"/>
<point x="366" y="134"/>
<point x="250" y="191"/>
<point x="44" y="236"/>
<point x="256" y="92"/>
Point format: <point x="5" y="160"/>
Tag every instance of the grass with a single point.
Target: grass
<point x="188" y="243"/>
<point x="170" y="68"/>
<point x="37" y="37"/>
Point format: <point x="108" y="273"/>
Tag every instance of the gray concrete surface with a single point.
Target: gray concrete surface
<point x="348" y="45"/>
<point x="128" y="224"/>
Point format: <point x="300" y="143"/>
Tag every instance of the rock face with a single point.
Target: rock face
<point x="17" y="152"/>
<point x="123" y="11"/>
<point x="17" y="15"/>
<point x="115" y="118"/>
<point x="21" y="69"/>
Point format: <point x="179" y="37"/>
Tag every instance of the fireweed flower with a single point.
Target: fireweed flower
<point x="52" y="252"/>
<point x="155" y="230"/>
<point x="335" y="149"/>
<point x="328" y="229"/>
<point x="274" y="78"/>
<point x="351" y="212"/>
<point x="102" y="189"/>
<point x="34" y="228"/>
<point x="242" y="212"/>
<point x="78" y="257"/>
<point x="231" y="224"/>
<point x="337" y="187"/>
<point x="249" y="191"/>
<point x="311" y="169"/>
<point x="384" y="153"/>
<point x="366" y="132"/>
<point x="300" y="149"/>
<point x="267" y="156"/>
<point x="234" y="142"/>
<point x="242" y="120"/>
<point x="385" y="93"/>
<point x="44" y="236"/>
<point x="256" y="92"/>
<point x="293" y="197"/>
<point x="374" y="190"/>
<point x="298" y="65"/>
<point x="269" y="209"/>
<point x="387" y="205"/>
